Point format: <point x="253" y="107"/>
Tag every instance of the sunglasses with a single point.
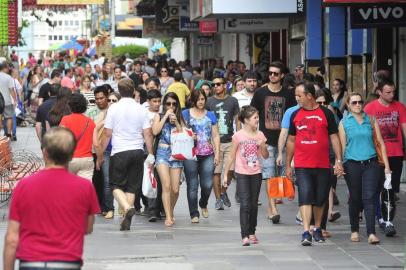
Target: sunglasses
<point x="322" y="102"/>
<point x="113" y="100"/>
<point x="171" y="104"/>
<point x="218" y="84"/>
<point x="272" y="73"/>
<point x="355" y="102"/>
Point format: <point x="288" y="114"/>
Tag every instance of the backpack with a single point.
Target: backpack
<point x="2" y="104"/>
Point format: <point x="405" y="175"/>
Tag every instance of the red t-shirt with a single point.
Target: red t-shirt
<point x="52" y="207"/>
<point x="390" y="119"/>
<point x="312" y="129"/>
<point x="76" y="122"/>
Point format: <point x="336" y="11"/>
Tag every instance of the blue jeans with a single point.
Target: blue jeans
<point x="364" y="182"/>
<point x="202" y="170"/>
<point x="108" y="194"/>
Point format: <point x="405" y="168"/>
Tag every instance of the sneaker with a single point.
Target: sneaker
<point x="219" y="204"/>
<point x="245" y="242"/>
<point x="14" y="138"/>
<point x="318" y="236"/>
<point x="299" y="220"/>
<point x="109" y="215"/>
<point x="306" y="239"/>
<point x="126" y="223"/>
<point x="205" y="212"/>
<point x="195" y="220"/>
<point x="389" y="230"/>
<point x="225" y="199"/>
<point x="382" y="224"/>
<point x="152" y="218"/>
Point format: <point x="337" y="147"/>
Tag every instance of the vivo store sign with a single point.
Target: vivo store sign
<point x="388" y="15"/>
<point x="257" y="7"/>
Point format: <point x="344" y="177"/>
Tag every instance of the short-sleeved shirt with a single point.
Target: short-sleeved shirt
<point x="42" y="113"/>
<point x="312" y="129"/>
<point x="127" y="119"/>
<point x="91" y="99"/>
<point x="44" y="91"/>
<point x="6" y="83"/>
<point x="248" y="152"/>
<point x="390" y="119"/>
<point x="243" y="98"/>
<point x="181" y="90"/>
<point x="271" y="107"/>
<point x="225" y="110"/>
<point x="202" y="127"/>
<point x="82" y="127"/>
<point x="359" y="137"/>
<point x="52" y="207"/>
<point x="288" y="115"/>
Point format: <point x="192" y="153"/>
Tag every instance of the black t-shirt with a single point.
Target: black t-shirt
<point x="225" y="110"/>
<point x="42" y="112"/>
<point x="137" y="79"/>
<point x="44" y="91"/>
<point x="271" y="107"/>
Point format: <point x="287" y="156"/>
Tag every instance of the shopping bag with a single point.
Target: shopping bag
<point x="149" y="182"/>
<point x="182" y="145"/>
<point x="281" y="187"/>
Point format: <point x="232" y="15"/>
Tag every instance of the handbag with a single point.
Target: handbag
<point x="377" y="143"/>
<point x="149" y="183"/>
<point x="281" y="187"/>
<point x="182" y="145"/>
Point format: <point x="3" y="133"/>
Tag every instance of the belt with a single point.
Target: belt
<point x="56" y="265"/>
<point x="363" y="162"/>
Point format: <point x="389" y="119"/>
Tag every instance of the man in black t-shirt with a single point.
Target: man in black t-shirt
<point x="43" y="110"/>
<point x="271" y="101"/>
<point x="226" y="109"/>
<point x="43" y="95"/>
<point x="136" y="74"/>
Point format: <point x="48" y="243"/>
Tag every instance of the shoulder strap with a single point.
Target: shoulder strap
<point x="83" y="131"/>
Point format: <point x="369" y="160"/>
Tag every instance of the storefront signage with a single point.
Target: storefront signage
<point x="253" y="25"/>
<point x="186" y="25"/>
<point x="208" y="26"/>
<point x="388" y="15"/>
<point x="70" y="2"/>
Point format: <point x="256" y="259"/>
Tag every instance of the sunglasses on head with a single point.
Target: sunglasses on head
<point x="355" y="102"/>
<point x="112" y="100"/>
<point x="168" y="103"/>
<point x="273" y="73"/>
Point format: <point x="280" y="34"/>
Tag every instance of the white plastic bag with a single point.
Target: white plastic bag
<point x="182" y="145"/>
<point x="149" y="183"/>
<point x="388" y="181"/>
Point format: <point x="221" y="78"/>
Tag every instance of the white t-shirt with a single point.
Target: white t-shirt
<point x="127" y="119"/>
<point x="6" y="83"/>
<point x="243" y="98"/>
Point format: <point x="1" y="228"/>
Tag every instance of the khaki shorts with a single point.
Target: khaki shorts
<point x="8" y="111"/>
<point x="225" y="149"/>
<point x="82" y="167"/>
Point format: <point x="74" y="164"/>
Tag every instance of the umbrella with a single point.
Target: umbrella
<point x="73" y="44"/>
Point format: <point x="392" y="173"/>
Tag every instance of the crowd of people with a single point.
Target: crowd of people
<point x="246" y="126"/>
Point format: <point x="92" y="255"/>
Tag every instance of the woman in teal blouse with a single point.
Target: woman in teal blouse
<point x="363" y="174"/>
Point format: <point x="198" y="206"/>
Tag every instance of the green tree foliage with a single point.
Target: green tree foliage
<point x="133" y="50"/>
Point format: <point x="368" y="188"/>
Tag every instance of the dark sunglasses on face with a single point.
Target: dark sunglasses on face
<point x="355" y="102"/>
<point x="218" y="84"/>
<point x="272" y="73"/>
<point x="171" y="104"/>
<point x="113" y="100"/>
<point x="322" y="102"/>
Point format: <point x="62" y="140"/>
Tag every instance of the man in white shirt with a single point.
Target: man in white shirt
<point x="128" y="125"/>
<point x="9" y="95"/>
<point x="244" y="97"/>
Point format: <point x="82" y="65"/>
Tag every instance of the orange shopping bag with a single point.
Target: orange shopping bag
<point x="281" y="187"/>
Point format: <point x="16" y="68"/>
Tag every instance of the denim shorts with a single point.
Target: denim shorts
<point x="163" y="154"/>
<point x="269" y="168"/>
<point x="313" y="185"/>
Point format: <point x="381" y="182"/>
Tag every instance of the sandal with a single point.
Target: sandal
<point x="168" y="223"/>
<point x="334" y="216"/>
<point x="275" y="218"/>
<point x="253" y="239"/>
<point x="355" y="237"/>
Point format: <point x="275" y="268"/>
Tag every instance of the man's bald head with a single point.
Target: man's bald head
<point x="59" y="143"/>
